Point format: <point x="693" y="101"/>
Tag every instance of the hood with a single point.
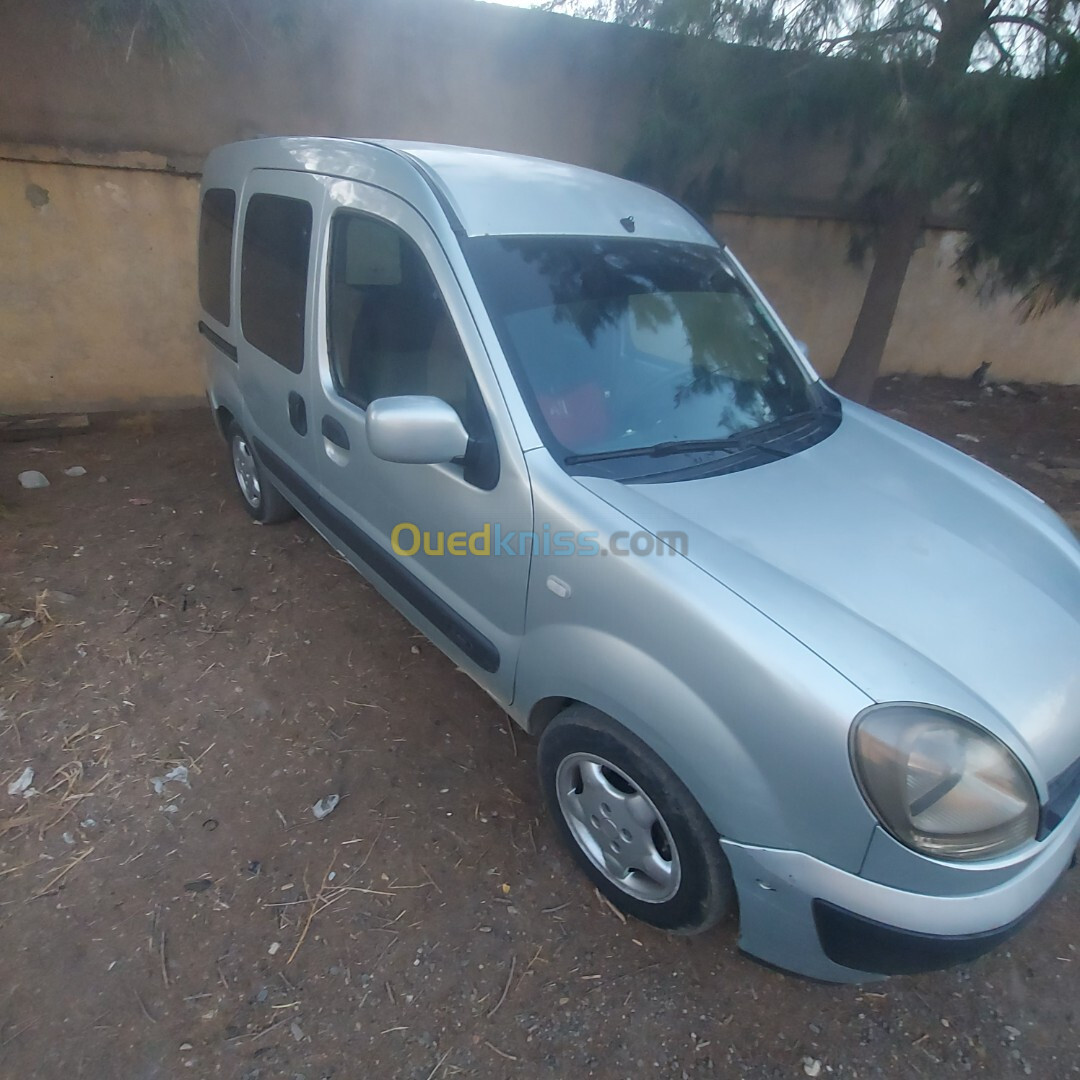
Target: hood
<point x="910" y="568"/>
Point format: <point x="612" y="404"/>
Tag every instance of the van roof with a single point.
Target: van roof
<point x="484" y="192"/>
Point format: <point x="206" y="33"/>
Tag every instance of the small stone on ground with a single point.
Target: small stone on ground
<point x="31" y="478"/>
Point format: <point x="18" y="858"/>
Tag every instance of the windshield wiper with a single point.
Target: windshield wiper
<point x="731" y="444"/>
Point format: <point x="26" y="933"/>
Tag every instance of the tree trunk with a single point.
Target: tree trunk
<point x="892" y="254"/>
<point x="962" y="23"/>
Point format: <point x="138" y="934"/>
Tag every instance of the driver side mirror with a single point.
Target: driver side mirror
<point x="415" y="430"/>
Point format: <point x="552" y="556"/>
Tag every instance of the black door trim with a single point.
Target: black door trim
<point x="478" y="648"/>
<point x="218" y="341"/>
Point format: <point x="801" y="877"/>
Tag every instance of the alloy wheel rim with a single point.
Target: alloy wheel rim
<point x="618" y="827"/>
<point x="247" y="475"/>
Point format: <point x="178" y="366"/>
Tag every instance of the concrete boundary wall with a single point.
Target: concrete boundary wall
<point x="939" y="329"/>
<point x="100" y="153"/>
<point x="97" y="286"/>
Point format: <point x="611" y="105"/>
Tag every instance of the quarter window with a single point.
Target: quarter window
<point x="215" y="252"/>
<point x="389" y="327"/>
<point x="273" y="276"/>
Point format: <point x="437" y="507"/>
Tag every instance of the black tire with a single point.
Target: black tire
<point x="703" y="889"/>
<point x="261" y="498"/>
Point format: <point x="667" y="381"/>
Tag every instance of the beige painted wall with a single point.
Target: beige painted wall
<point x="98" y="309"/>
<point x="940" y="329"/>
<point x="97" y="287"/>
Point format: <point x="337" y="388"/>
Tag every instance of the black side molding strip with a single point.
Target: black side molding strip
<point x="217" y="341"/>
<point x="463" y="634"/>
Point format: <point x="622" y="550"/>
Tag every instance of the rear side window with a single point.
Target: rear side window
<point x="273" y="276"/>
<point x="215" y="252"/>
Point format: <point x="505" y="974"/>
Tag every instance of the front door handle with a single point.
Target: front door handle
<point x="333" y="431"/>
<point x="297" y="413"/>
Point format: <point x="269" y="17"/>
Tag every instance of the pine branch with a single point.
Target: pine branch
<point x="1005" y="61"/>
<point x="884" y="31"/>
<point x="1065" y="40"/>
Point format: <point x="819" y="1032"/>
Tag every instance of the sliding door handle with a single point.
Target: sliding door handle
<point x="335" y="441"/>
<point x="334" y="432"/>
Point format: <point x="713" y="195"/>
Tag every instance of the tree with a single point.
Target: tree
<point x="973" y="101"/>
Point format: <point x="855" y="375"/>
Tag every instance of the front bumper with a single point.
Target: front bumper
<point x="806" y="916"/>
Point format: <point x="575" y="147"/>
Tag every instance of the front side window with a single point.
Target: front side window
<point x="215" y="252"/>
<point x="273" y="276"/>
<point x="632" y="349"/>
<point x="389" y="328"/>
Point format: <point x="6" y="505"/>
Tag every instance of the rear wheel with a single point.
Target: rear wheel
<point x="263" y="501"/>
<point x="632" y="825"/>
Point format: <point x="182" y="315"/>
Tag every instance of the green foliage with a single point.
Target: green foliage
<point x="977" y="101"/>
<point x="710" y="106"/>
<point x="1024" y="196"/>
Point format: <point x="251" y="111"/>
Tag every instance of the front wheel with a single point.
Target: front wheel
<point x="262" y="500"/>
<point x="632" y="825"/>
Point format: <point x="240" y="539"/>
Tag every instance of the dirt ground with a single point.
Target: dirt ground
<point x="430" y="927"/>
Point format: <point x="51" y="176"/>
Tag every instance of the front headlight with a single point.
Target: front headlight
<point x="941" y="784"/>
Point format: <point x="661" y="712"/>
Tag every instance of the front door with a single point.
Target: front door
<point x="276" y="265"/>
<point x="396" y="322"/>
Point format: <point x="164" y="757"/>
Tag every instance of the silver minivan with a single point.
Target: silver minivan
<point x="782" y="654"/>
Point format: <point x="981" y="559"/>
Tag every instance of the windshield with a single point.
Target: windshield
<point x="622" y="344"/>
